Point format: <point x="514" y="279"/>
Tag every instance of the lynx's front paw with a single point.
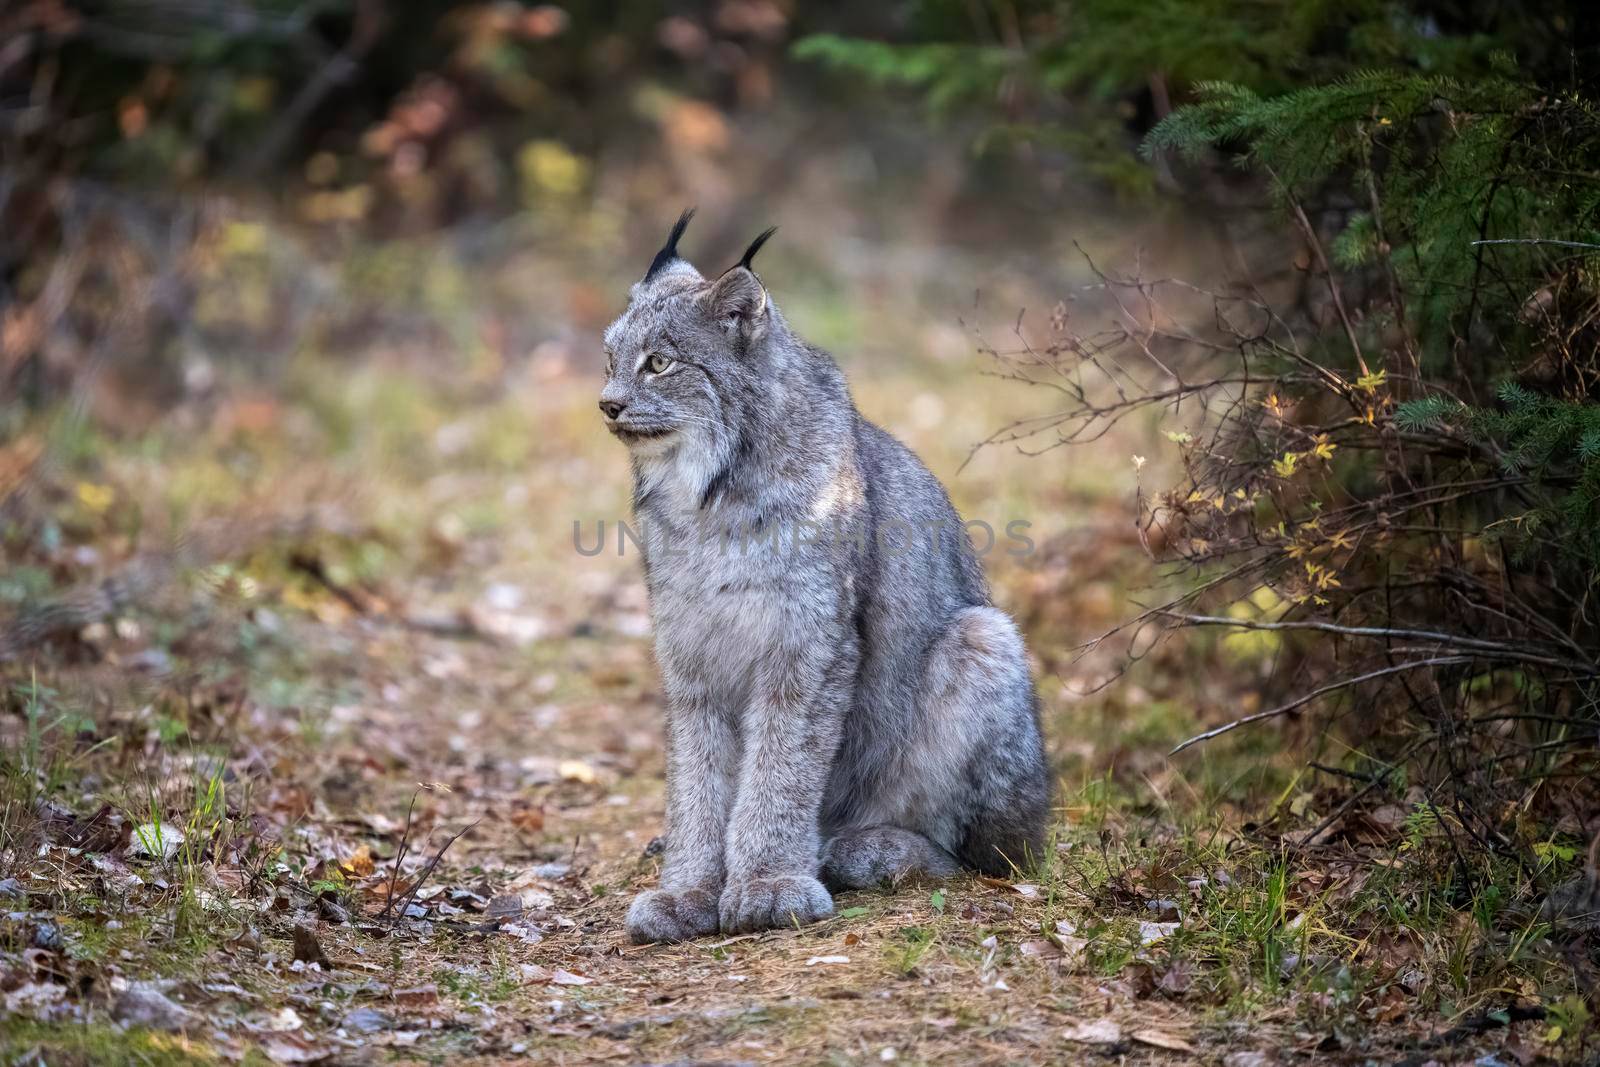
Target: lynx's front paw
<point x="767" y="903"/>
<point x="657" y="915"/>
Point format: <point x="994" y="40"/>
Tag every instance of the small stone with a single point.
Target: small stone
<point x="366" y="1021"/>
<point x="142" y="1004"/>
<point x="1245" y="1059"/>
<point x="332" y="911"/>
<point x="47" y="935"/>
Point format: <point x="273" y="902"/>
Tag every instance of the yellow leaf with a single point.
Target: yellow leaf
<point x="1285" y="465"/>
<point x="97" y="498"/>
<point x="1266" y="600"/>
<point x="359" y="864"/>
<point x="575" y="770"/>
<point x="551" y="167"/>
<point x="1370" y="382"/>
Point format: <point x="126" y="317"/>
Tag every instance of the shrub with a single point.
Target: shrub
<point x="1395" y="472"/>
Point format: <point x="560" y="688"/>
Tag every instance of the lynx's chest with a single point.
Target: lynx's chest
<point x="728" y="602"/>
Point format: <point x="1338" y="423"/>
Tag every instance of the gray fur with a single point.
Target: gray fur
<point x="846" y="706"/>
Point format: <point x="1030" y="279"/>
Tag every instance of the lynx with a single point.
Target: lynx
<point x="845" y="705"/>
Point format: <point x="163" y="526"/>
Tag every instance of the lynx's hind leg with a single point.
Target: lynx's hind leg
<point x="983" y="717"/>
<point x="866" y="856"/>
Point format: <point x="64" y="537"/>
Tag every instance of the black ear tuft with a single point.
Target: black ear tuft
<point x="669" y="251"/>
<point x="755" y="246"/>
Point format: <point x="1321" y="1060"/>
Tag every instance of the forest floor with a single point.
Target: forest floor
<point x="373" y="774"/>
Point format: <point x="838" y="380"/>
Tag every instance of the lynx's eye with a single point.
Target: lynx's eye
<point x="657" y="363"/>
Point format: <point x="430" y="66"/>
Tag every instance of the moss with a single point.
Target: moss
<point x="71" y="1045"/>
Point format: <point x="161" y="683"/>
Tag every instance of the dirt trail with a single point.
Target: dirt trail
<point x="563" y="795"/>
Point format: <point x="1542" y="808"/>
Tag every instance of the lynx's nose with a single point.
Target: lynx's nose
<point x="612" y="408"/>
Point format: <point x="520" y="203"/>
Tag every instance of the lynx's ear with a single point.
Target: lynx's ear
<point x="738" y="299"/>
<point x="668" y="257"/>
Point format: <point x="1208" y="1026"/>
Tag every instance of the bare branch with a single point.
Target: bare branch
<point x="1302" y="701"/>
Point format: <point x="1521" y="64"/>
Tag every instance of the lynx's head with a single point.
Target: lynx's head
<point x="685" y="360"/>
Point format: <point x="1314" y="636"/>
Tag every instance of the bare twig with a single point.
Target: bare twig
<point x="422" y="878"/>
<point x="1535" y="241"/>
<point x="399" y="858"/>
<point x="1327" y="273"/>
<point x="1302" y="701"/>
<point x="1388" y="632"/>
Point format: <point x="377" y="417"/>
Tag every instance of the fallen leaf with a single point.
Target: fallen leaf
<point x="564" y="977"/>
<point x="523" y="932"/>
<point x="1163" y="909"/>
<point x="1151" y="932"/>
<point x="159" y="840"/>
<point x="1099" y="1032"/>
<point x="292" y="1048"/>
<point x="576" y="770"/>
<point x="528" y="820"/>
<point x="1177" y="979"/>
<point x="285" y="1021"/>
<point x="359" y="864"/>
<point x="417" y="996"/>
<point x="1311" y="836"/>
<point x="1246" y="1059"/>
<point x="1161" y="1040"/>
<point x="503" y="907"/>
